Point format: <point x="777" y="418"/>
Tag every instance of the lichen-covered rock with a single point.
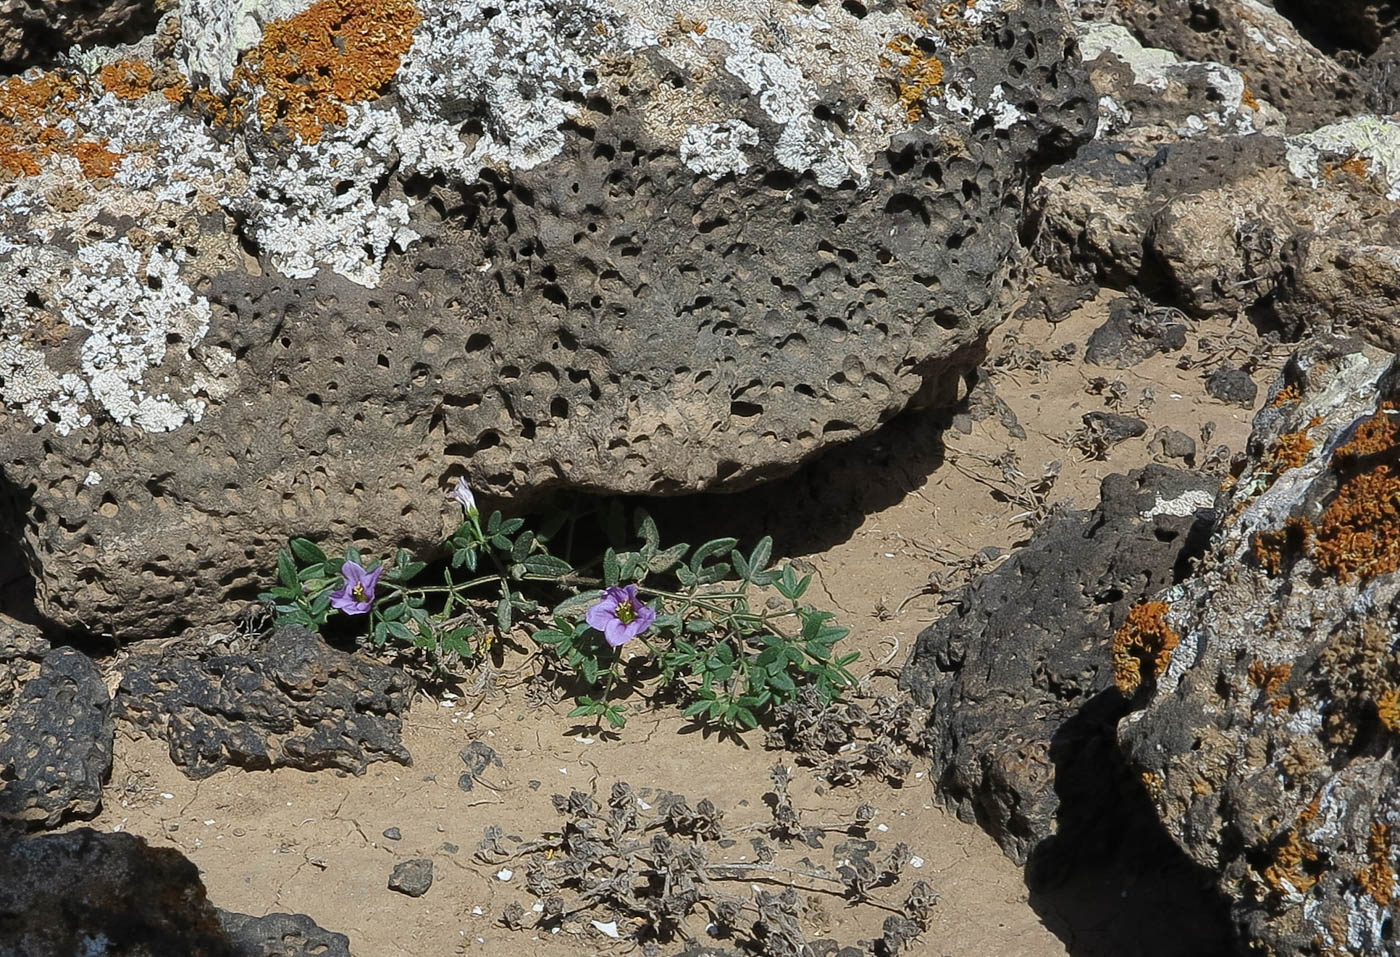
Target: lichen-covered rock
<point x="56" y="742"/>
<point x="87" y="892"/>
<point x="1277" y="62"/>
<point x="1269" y="683"/>
<point x="35" y="31"/>
<point x="604" y="244"/>
<point x="1018" y="677"/>
<point x="1228" y="223"/>
<point x="295" y="702"/>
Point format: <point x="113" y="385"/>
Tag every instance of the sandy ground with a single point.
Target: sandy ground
<point x="876" y="519"/>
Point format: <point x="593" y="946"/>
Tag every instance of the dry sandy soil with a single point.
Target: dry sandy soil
<point x="876" y="519"/>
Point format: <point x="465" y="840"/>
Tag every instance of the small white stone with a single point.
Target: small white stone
<point x="504" y="874"/>
<point x="916" y="861"/>
<point x="608" y="928"/>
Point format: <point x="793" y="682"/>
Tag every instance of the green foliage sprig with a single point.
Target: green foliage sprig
<point x="730" y="633"/>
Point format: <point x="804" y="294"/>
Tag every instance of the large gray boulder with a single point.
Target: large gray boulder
<point x="1269" y="683"/>
<point x="598" y="244"/>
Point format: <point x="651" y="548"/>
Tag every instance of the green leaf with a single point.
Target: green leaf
<point x="718" y="546"/>
<point x="461" y="555"/>
<point x="380" y="633"/>
<point x="406" y="572"/>
<point x="504" y="618"/>
<point x="511" y="526"/>
<point x="286" y="570"/>
<point x="615" y="716"/>
<point x="612" y="570"/>
<point x="762" y="552"/>
<point x="646" y="528"/>
<point x="456" y="641"/>
<point x="398" y="630"/>
<point x="547" y="566"/>
<point x="493" y="524"/>
<point x="714" y="573"/>
<point x="577" y="604"/>
<point x="665" y="561"/>
<point x="307" y="551"/>
<point x="522" y="546"/>
<point x="741" y="565"/>
<point x="695" y="708"/>
<point x="686" y="577"/>
<point x="549" y="636"/>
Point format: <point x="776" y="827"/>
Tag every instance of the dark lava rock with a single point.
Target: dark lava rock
<point x="1018" y="677"/>
<point x="393" y="834"/>
<point x="412" y="877"/>
<point x="282" y="935"/>
<point x="85" y="892"/>
<point x="295" y="702"/>
<point x="1114" y="426"/>
<point x="477" y="756"/>
<point x="1170" y="444"/>
<point x="1232" y="385"/>
<point x="56" y="744"/>
<point x="22" y="648"/>
<point x="1135" y="330"/>
<point x="1054" y="301"/>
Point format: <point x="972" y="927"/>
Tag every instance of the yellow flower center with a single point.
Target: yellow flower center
<point x="358" y="593"/>
<point x="626" y="613"/>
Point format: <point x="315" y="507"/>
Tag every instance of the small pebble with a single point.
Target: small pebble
<point x="412" y="877"/>
<point x="393" y="834"/>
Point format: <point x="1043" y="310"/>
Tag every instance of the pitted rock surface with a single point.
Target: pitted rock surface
<point x="1302" y="225"/>
<point x="281" y="935"/>
<point x="88" y="892"/>
<point x="692" y="249"/>
<point x="22" y="648"/>
<point x="294" y="702"/>
<point x="1279" y="62"/>
<point x="56" y="742"/>
<point x="37" y="31"/>
<point x="1267" y="737"/>
<point x="1018" y="676"/>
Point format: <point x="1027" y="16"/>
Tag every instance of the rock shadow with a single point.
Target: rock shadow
<point x="827" y="499"/>
<point x="1110" y="882"/>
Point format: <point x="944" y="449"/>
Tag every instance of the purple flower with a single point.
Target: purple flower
<point x="356" y="597"/>
<point x="462" y="495"/>
<point x="620" y="616"/>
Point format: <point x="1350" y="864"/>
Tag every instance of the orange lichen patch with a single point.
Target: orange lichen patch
<point x="1296" y="865"/>
<point x="1293" y="448"/>
<point x="36" y="125"/>
<point x="1388" y="709"/>
<point x="687" y="25"/>
<point x="311" y="65"/>
<point x="1355" y="166"/>
<point x="1274" y="549"/>
<point x="128" y="79"/>
<point x="1143" y="639"/>
<point x="1270" y="679"/>
<point x="920" y="75"/>
<point x="1378" y="879"/>
<point x="1289" y="393"/>
<point x="1248" y="98"/>
<point x="1358" y="534"/>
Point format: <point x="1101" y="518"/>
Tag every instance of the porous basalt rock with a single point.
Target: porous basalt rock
<point x="1019" y="676"/>
<point x="616" y="246"/>
<point x="1269" y="736"/>
<point x="294" y="702"/>
<point x="87" y="892"/>
<point x="36" y="31"/>
<point x="1135" y="330"/>
<point x="1277" y="62"/>
<point x="56" y="742"/>
<point x="1225" y="225"/>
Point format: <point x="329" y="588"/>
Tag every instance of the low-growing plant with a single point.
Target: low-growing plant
<point x="725" y="627"/>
